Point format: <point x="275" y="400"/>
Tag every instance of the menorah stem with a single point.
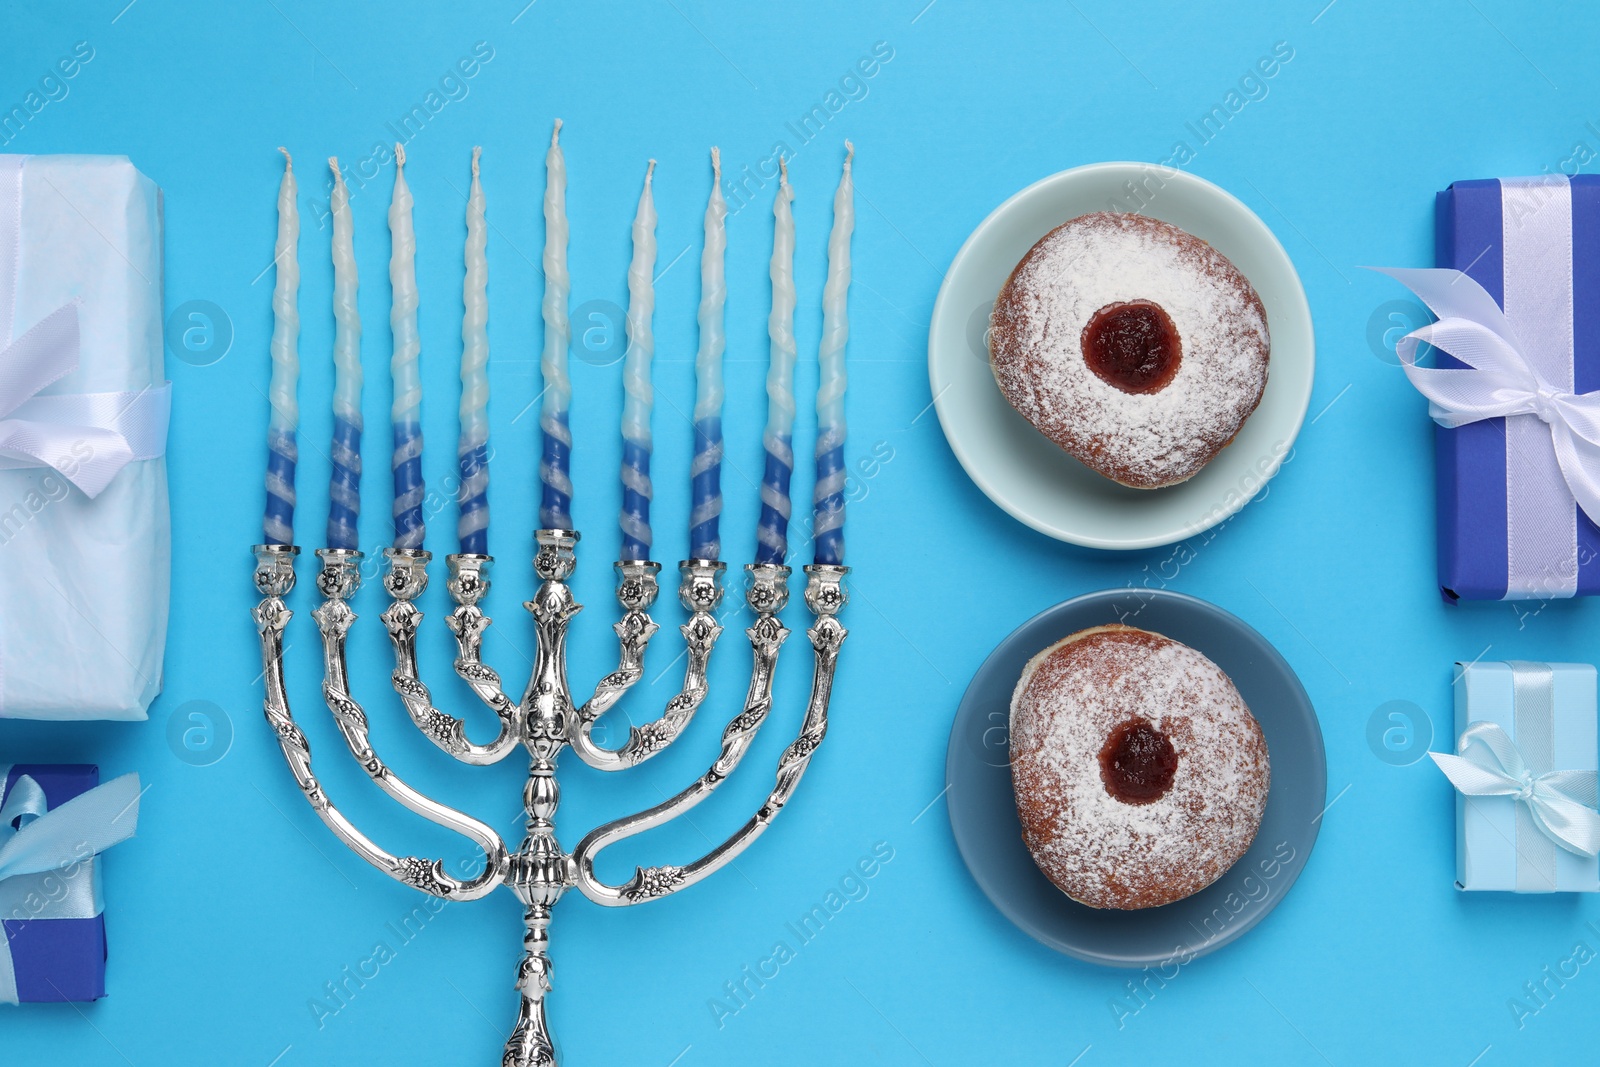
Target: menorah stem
<point x="539" y="874"/>
<point x="530" y="1044"/>
<point x="547" y="702"/>
<point x="540" y="871"/>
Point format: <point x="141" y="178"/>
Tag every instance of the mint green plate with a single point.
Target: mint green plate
<point x="1023" y="471"/>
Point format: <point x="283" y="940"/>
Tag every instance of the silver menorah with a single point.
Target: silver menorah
<point x="546" y="720"/>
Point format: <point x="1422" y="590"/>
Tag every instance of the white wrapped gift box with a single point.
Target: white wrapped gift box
<point x="85" y="533"/>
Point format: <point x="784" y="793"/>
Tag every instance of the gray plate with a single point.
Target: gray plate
<point x="983" y="812"/>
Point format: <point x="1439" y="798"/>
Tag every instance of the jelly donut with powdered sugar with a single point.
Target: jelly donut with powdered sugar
<point x="1140" y="774"/>
<point x="1134" y="346"/>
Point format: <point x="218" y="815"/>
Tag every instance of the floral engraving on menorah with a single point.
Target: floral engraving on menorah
<point x="544" y="721"/>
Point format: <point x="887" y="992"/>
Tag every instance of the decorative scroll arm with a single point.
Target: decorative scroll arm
<point x="406" y="580"/>
<point x="768" y="592"/>
<point x="637" y="588"/>
<point x="700" y="591"/>
<point x="274" y="577"/>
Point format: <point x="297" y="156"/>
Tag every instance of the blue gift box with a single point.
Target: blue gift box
<point x="1508" y="527"/>
<point x="54" y="959"/>
<point x="1548" y="712"/>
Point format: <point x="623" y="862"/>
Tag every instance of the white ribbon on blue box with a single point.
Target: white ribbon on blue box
<point x="1525" y="774"/>
<point x="85" y="532"/>
<point x="1517" y="292"/>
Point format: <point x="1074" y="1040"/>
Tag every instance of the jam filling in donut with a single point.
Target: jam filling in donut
<point x="1137" y="763"/>
<point x="1132" y="346"/>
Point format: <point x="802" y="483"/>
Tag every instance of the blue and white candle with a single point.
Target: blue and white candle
<point x="706" y="468"/>
<point x="472" y="498"/>
<point x="828" y="520"/>
<point x="344" y="489"/>
<point x="406" y="414"/>
<point x="277" y="523"/>
<point x="772" y="530"/>
<point x="555" y="477"/>
<point x="638" y="397"/>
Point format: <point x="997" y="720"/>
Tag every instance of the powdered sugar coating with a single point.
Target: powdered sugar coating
<point x="1105" y="852"/>
<point x="1144" y="440"/>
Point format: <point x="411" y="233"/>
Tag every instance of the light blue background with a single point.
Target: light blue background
<point x="234" y="906"/>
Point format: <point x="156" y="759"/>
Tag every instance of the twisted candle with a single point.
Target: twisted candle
<point x="828" y="519"/>
<point x="344" y="489"/>
<point x="634" y="518"/>
<point x="555" y="505"/>
<point x="406" y="414"/>
<point x="472" y="499"/>
<point x="277" y="523"/>
<point x="706" y="468"/>
<point x="772" y="530"/>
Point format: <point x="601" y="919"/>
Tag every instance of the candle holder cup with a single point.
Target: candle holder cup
<point x="544" y="722"/>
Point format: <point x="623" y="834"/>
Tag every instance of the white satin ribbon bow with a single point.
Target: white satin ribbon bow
<point x="1499" y="379"/>
<point x="1561" y="803"/>
<point x="87" y="437"/>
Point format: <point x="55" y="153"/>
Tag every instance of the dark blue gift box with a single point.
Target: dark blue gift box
<point x="1474" y="550"/>
<point x="57" y="959"/>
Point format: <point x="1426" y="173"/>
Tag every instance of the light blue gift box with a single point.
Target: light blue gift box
<point x="84" y="590"/>
<point x="1549" y="711"/>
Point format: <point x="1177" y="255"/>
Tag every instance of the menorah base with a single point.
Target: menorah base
<point x="544" y="722"/>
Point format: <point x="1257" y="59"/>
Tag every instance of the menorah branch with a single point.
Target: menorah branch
<point x="274" y="580"/>
<point x="767" y="596"/>
<point x="637" y="587"/>
<point x="468" y="583"/>
<point x="406" y="580"/>
<point x="700" y="592"/>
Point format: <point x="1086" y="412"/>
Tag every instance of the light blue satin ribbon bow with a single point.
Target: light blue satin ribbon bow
<point x="1560" y="802"/>
<point x="47" y="861"/>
